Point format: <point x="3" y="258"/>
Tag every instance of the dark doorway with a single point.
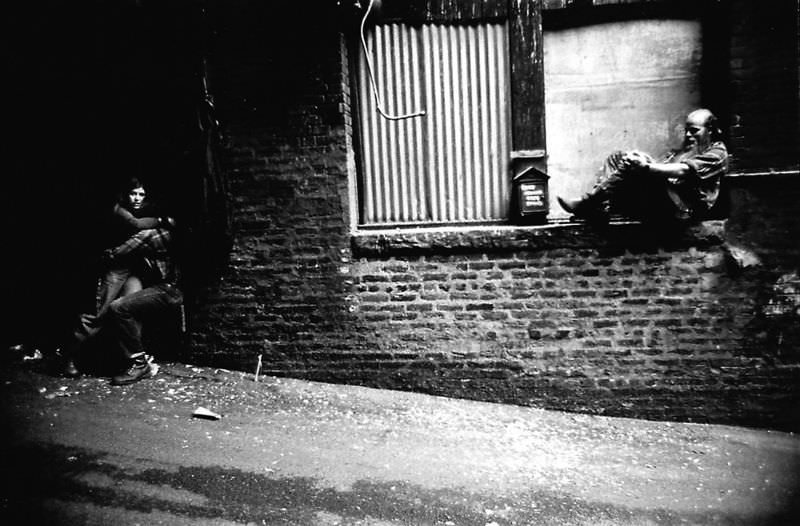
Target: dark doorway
<point x="96" y="92"/>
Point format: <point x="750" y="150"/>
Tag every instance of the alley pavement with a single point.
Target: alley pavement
<point x="203" y="446"/>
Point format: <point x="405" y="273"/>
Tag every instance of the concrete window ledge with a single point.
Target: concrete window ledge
<point x="508" y="238"/>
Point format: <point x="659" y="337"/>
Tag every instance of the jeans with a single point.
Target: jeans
<point x="125" y="316"/>
<point x="110" y="287"/>
<point x="88" y="325"/>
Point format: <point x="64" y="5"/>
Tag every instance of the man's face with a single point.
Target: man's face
<point x="696" y="133"/>
<point x="136" y="197"/>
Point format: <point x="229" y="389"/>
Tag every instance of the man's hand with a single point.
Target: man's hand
<point x="90" y="320"/>
<point x="635" y="160"/>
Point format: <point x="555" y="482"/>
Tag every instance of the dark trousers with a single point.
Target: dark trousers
<point x="126" y="314"/>
<point x="634" y="193"/>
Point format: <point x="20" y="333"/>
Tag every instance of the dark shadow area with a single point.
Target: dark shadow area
<point x="582" y="13"/>
<point x="97" y="92"/>
<point x="45" y="473"/>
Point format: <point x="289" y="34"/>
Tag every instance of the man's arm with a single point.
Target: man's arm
<point x="711" y="164"/>
<point x="639" y="162"/>
<point x="669" y="170"/>
<point x="706" y="165"/>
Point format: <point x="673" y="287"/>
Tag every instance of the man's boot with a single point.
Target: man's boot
<point x="141" y="368"/>
<point x="573" y="206"/>
<point x="592" y="206"/>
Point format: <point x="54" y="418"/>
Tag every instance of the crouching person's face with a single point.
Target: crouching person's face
<point x="136" y="197"/>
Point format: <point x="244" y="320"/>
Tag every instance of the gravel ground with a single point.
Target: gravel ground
<point x="283" y="451"/>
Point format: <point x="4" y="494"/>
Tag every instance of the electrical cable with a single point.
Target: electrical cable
<point x="378" y="104"/>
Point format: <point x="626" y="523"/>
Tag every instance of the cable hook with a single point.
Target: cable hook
<point x="378" y="104"/>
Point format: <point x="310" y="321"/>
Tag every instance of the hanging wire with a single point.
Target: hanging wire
<point x="378" y="103"/>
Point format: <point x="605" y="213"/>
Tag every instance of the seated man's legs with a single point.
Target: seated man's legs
<point x="125" y="318"/>
<point x="616" y="188"/>
<point x="651" y="199"/>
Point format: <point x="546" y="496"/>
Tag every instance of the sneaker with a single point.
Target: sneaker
<point x="137" y="371"/>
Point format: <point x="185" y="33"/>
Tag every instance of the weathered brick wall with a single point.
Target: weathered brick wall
<point x="615" y="323"/>
<point x="624" y="325"/>
<point x="764" y="84"/>
<point x="280" y="85"/>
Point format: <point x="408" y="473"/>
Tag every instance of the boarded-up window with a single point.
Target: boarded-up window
<point x="451" y="165"/>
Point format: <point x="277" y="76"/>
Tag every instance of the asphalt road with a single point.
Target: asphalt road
<point x="289" y="452"/>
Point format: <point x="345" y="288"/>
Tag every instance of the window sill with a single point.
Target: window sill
<point x="509" y="238"/>
<point x="755" y="175"/>
<point x="618" y="235"/>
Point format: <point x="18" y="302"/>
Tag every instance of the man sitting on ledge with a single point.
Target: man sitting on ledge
<point x="682" y="186"/>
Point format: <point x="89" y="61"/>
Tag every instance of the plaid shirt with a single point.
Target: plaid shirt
<point x="153" y="245"/>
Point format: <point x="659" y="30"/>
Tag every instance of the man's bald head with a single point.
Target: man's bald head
<point x="703" y="115"/>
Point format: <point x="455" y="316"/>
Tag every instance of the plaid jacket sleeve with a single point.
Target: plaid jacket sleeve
<point x="148" y="242"/>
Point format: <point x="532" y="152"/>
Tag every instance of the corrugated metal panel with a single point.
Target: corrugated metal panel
<point x="450" y="165"/>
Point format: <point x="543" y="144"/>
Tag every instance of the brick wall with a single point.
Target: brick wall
<point x="623" y="325"/>
<point x="280" y="86"/>
<point x="764" y="84"/>
<point x="619" y="322"/>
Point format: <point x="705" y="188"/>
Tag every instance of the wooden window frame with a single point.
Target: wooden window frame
<point x="526" y="53"/>
<point x="526" y="57"/>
